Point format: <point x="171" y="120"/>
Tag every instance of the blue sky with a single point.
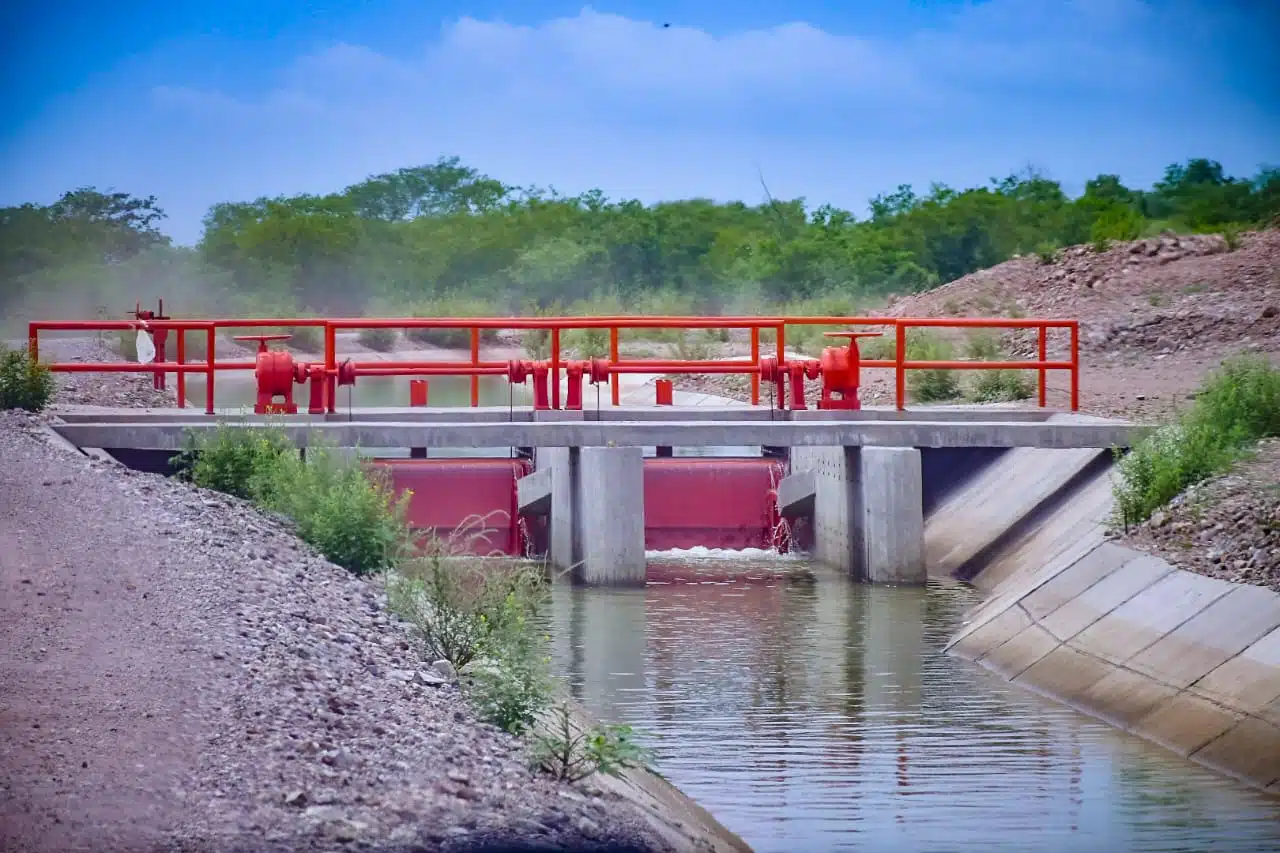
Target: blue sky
<point x="199" y="102"/>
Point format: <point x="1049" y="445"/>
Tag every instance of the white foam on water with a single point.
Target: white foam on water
<point x="699" y="553"/>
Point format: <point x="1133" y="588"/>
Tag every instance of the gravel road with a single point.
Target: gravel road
<point x="178" y="672"/>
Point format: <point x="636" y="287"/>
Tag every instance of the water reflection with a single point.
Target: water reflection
<point x="825" y="717"/>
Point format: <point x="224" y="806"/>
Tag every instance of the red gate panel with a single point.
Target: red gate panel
<point x="453" y="493"/>
<point x="713" y="502"/>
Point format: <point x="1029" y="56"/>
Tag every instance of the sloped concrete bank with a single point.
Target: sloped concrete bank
<point x="1189" y="662"/>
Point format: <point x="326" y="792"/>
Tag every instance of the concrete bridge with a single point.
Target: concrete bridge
<point x="861" y="480"/>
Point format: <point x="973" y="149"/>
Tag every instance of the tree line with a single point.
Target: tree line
<point x="445" y="238"/>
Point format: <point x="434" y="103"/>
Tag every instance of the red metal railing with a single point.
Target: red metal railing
<point x="754" y="367"/>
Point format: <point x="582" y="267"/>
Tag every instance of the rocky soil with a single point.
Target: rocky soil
<point x="100" y="389"/>
<point x="1227" y="527"/>
<point x="181" y="673"/>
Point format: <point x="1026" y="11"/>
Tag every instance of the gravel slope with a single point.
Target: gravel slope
<point x="180" y="673"/>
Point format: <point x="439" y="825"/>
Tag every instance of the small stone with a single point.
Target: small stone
<point x="297" y="799"/>
<point x="405" y="675"/>
<point x="445" y="670"/>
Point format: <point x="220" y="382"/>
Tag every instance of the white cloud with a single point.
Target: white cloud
<point x="600" y="100"/>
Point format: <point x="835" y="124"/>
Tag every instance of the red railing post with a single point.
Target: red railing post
<point x="1075" y="365"/>
<point x="615" y="388"/>
<point x="755" y="359"/>
<point x="900" y="370"/>
<point x="475" y="362"/>
<point x="182" y="374"/>
<point x="33" y="341"/>
<point x="1044" y="356"/>
<point x="331" y="366"/>
<point x="208" y="391"/>
<point x="555" y="367"/>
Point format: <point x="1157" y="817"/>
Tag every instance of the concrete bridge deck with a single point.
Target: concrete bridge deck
<point x="672" y="431"/>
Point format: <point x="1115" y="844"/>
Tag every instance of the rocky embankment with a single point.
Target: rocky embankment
<point x="182" y="673"/>
<point x="1227" y="527"/>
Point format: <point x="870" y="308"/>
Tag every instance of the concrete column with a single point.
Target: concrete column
<point x="558" y="463"/>
<point x="867" y="509"/>
<point x="833" y="473"/>
<point x="608" y="515"/>
<point x="893" y="515"/>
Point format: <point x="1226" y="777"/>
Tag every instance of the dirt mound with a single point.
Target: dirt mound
<point x="1158" y="295"/>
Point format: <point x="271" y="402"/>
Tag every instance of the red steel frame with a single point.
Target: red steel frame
<point x="475" y="367"/>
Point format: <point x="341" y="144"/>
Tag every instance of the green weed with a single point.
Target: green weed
<point x="24" y="383"/>
<point x="1238" y="404"/>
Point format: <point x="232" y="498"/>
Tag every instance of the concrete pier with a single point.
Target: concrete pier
<point x="892" y="515"/>
<point x="867" y="509"/>
<point x="608" y="515"/>
<point x="594" y="500"/>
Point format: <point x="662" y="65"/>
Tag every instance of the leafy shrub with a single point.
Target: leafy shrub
<point x="1231" y="234"/>
<point x="345" y="511"/>
<point x="230" y="459"/>
<point x="994" y="386"/>
<point x="379" y="340"/>
<point x="933" y="385"/>
<point x="308" y="339"/>
<point x="1001" y="386"/>
<point x="1239" y="404"/>
<point x="1116" y="222"/>
<point x="1047" y="253"/>
<point x="451" y="305"/>
<point x="24" y="383"/>
<point x="462" y="608"/>
<point x="569" y="752"/>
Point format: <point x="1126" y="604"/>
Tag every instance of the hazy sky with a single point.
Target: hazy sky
<point x="199" y="102"/>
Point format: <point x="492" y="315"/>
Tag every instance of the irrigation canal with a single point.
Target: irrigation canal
<point x="823" y="716"/>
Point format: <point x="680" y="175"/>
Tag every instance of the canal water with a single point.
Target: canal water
<point x="823" y="716"/>
<point x="809" y="713"/>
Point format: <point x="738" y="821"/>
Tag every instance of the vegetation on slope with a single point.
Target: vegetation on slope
<point x="445" y="238"/>
<point x="479" y="617"/>
<point x="1237" y="405"/>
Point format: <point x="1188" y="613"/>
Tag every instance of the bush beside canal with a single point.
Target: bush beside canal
<point x="1236" y="407"/>
<point x="24" y="384"/>
<point x="474" y="620"/>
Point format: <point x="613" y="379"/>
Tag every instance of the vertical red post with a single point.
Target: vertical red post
<point x="900" y="357"/>
<point x="782" y="343"/>
<point x="331" y="365"/>
<point x="664" y="393"/>
<point x="555" y="368"/>
<point x="33" y="341"/>
<point x="1044" y="356"/>
<point x="475" y="361"/>
<point x="418" y="392"/>
<point x="208" y="387"/>
<point x="755" y="359"/>
<point x="182" y="375"/>
<point x="1075" y="366"/>
<point x="615" y="389"/>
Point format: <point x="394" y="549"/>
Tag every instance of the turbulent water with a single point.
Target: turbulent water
<point x="824" y="716"/>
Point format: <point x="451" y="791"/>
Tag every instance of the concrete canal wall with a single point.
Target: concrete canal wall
<point x="1186" y="661"/>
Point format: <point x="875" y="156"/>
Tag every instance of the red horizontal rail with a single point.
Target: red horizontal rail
<point x="475" y="367"/>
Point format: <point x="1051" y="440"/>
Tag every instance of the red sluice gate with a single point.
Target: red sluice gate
<point x="475" y="497"/>
<point x="689" y="502"/>
<point x="710" y="502"/>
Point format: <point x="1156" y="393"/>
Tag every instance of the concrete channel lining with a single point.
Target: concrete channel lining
<point x="1066" y="436"/>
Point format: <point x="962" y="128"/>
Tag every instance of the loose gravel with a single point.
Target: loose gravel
<point x="179" y="672"/>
